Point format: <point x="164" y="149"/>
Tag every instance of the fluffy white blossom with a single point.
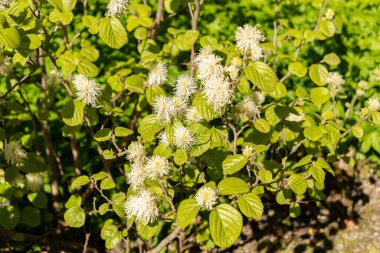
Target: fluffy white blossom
<point x="4" y="202"/>
<point x="360" y="92"/>
<point x="180" y="106"/>
<point x="116" y="7"/>
<point x="208" y="64"/>
<point x="164" y="108"/>
<point x="258" y="97"/>
<point x="218" y="92"/>
<point x="54" y="77"/>
<point x="158" y="74"/>
<point x="206" y="197"/>
<point x="335" y="80"/>
<point x="183" y="137"/>
<point x="373" y="104"/>
<point x="142" y="207"/>
<point x="296" y="118"/>
<point x="5" y="65"/>
<point x="363" y="85"/>
<point x="87" y="90"/>
<point x="136" y="152"/>
<point x="4" y="4"/>
<point x="248" y="40"/>
<point x="329" y="14"/>
<point x="157" y="167"/>
<point x="14" y="153"/>
<point x="247" y="108"/>
<point x="185" y="87"/>
<point x="233" y="71"/>
<point x="192" y="115"/>
<point x="137" y="176"/>
<point x="34" y="181"/>
<point x="375" y="75"/>
<point x="248" y="151"/>
<point x="164" y="139"/>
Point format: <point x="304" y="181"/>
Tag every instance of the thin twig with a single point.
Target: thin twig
<point x="166" y="241"/>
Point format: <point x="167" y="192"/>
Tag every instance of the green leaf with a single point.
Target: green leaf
<point x="103" y="208"/>
<point x="103" y="134"/>
<point x="75" y="217"/>
<point x="297" y="68"/>
<point x="74" y="201"/>
<point x="313" y="133"/>
<point x="331" y="59"/>
<point x="234" y="163"/>
<point x="187" y="211"/>
<point x="317" y="173"/>
<point x="318" y="74"/>
<point x="204" y="108"/>
<point x="376" y="118"/>
<point x="73" y="112"/>
<point x="251" y="206"/>
<point x="319" y="95"/>
<point x="31" y="216"/>
<point x="294" y="210"/>
<point x="180" y="157"/>
<point x="147" y="231"/>
<point x="38" y="199"/>
<point x="10" y="37"/>
<point x="79" y="181"/>
<point x="110" y="234"/>
<point x="107" y="183"/>
<point x="232" y="186"/>
<point x="297" y="183"/>
<point x="279" y="92"/>
<point x="112" y="32"/>
<point x="122" y="132"/>
<point x="225" y="225"/>
<point x="148" y="128"/>
<point x="119" y="210"/>
<point x="304" y="160"/>
<point x="9" y="217"/>
<point x="88" y="69"/>
<point x="100" y="175"/>
<point x="152" y="92"/>
<point x="135" y="83"/>
<point x="358" y="132"/>
<point x="327" y="27"/>
<point x="283" y="196"/>
<point x="323" y="164"/>
<point x="261" y="75"/>
<point x="108" y="154"/>
<point x="262" y="125"/>
<point x="265" y="176"/>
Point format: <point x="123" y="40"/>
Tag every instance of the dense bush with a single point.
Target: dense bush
<point x="145" y="121"/>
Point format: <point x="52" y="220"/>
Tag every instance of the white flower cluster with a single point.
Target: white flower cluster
<point x="373" y="105"/>
<point x="142" y="207"/>
<point x="206" y="197"/>
<point x="87" y="90"/>
<point x="14" y="153"/>
<point x="330" y="14"/>
<point x="336" y="81"/>
<point x="4" y="4"/>
<point x="248" y="40"/>
<point x="116" y="8"/>
<point x="34" y="181"/>
<point x="5" y="64"/>
<point x="158" y="74"/>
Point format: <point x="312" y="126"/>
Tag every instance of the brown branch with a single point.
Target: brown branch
<point x="22" y="80"/>
<point x="194" y="26"/>
<point x="75" y="153"/>
<point x="166" y="241"/>
<point x="153" y="30"/>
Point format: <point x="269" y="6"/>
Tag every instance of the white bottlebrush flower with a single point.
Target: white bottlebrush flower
<point x="5" y="65"/>
<point x="364" y="85"/>
<point x="183" y="137"/>
<point x="335" y="80"/>
<point x="256" y="53"/>
<point x="248" y="151"/>
<point x="208" y="65"/>
<point x="34" y="181"/>
<point x="248" y="108"/>
<point x="116" y="8"/>
<point x="360" y="92"/>
<point x="180" y="106"/>
<point x="164" y="108"/>
<point x="142" y="207"/>
<point x="54" y="77"/>
<point x="258" y="97"/>
<point x="4" y="4"/>
<point x="192" y="115"/>
<point x="14" y="153"/>
<point x="137" y="176"/>
<point x="157" y="167"/>
<point x="158" y="74"/>
<point x="136" y="152"/>
<point x="218" y="92"/>
<point x="87" y="90"/>
<point x="206" y="197"/>
<point x="185" y="87"/>
<point x="329" y="14"/>
<point x="4" y="202"/>
<point x="233" y="72"/>
<point x="373" y="104"/>
<point x="248" y="40"/>
<point x="375" y="75"/>
<point x="164" y="139"/>
<point x="296" y="118"/>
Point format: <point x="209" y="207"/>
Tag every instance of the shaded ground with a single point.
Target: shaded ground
<point x="348" y="222"/>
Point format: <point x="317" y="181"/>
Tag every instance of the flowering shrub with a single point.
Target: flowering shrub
<point x="164" y="130"/>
